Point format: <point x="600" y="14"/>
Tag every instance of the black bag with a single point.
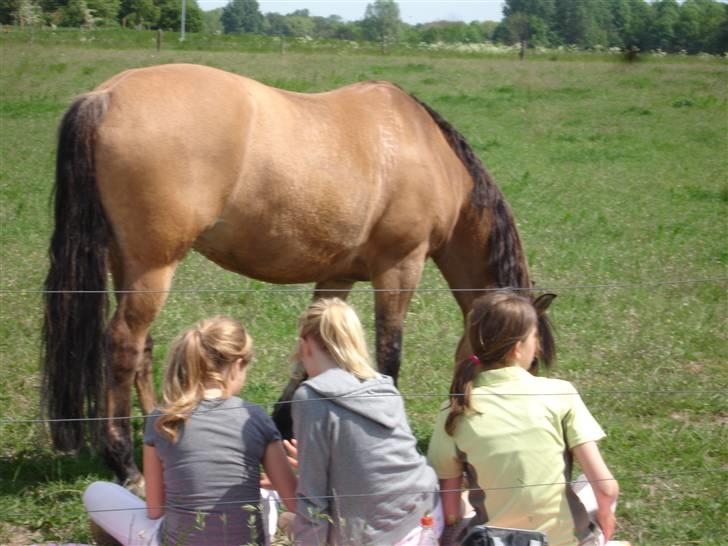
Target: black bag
<point x="482" y="535"/>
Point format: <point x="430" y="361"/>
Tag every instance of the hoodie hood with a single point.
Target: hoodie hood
<point x="377" y="398"/>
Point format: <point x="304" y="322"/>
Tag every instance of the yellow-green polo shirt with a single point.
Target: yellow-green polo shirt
<point x="515" y="438"/>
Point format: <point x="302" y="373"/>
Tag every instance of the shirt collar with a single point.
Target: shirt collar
<point x="501" y="375"/>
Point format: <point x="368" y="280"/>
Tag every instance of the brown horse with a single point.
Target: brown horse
<point x="363" y="183"/>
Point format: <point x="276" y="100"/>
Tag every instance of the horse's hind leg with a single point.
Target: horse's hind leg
<point x="282" y="410"/>
<point x="144" y="293"/>
<point x="143" y="379"/>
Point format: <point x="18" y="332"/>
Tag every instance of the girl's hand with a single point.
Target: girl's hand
<point x="291" y="447"/>
<point x="608" y="523"/>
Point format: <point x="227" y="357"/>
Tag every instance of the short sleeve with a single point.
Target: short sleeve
<point x="264" y="423"/>
<point x="579" y="424"/>
<point x="442" y="452"/>
<point x="150" y="432"/>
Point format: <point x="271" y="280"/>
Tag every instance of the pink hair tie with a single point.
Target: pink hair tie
<point x="474" y="359"/>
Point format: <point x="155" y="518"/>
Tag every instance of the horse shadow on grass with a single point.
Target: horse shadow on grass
<point x="44" y="468"/>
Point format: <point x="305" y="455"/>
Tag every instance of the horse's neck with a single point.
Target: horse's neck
<point x="466" y="259"/>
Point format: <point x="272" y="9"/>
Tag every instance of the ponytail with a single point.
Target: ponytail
<point x="460" y="390"/>
<point x="200" y="358"/>
<point x="336" y="327"/>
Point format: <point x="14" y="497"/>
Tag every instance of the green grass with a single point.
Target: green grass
<point x="616" y="174"/>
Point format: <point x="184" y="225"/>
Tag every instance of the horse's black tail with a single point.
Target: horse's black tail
<point x="75" y="297"/>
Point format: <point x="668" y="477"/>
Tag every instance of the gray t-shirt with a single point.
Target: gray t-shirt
<point x="212" y="473"/>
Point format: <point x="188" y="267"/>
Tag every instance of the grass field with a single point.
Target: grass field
<point x="616" y="174"/>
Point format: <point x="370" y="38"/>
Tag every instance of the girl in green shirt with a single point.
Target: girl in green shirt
<point x="512" y="434"/>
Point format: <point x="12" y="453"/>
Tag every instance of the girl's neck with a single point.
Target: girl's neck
<point x="212" y="393"/>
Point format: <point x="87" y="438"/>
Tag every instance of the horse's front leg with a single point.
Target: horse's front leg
<point x="395" y="286"/>
<point x="126" y="364"/>
<point x="282" y="409"/>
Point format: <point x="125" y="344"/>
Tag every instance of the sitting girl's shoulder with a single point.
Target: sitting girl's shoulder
<point x="551" y="385"/>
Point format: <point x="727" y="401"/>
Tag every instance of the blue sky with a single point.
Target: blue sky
<point x="411" y="11"/>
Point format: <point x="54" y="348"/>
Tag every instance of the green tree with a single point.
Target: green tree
<point x="7" y="11"/>
<point x="662" y="29"/>
<point x="242" y="16"/>
<point x="687" y="28"/>
<point x="300" y="25"/>
<point x="712" y="23"/>
<point x="619" y="17"/>
<point x="523" y="27"/>
<point x="582" y="22"/>
<point x="637" y="28"/>
<point x="382" y="22"/>
<point x="211" y="21"/>
<point x="105" y="11"/>
<point x="78" y="14"/>
<point x="139" y="13"/>
<point x="27" y="13"/>
<point x="544" y="9"/>
<point x="170" y="15"/>
<point x="528" y="21"/>
<point x="277" y="24"/>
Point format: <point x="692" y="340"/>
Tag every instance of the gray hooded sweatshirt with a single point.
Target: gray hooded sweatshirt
<point x="361" y="480"/>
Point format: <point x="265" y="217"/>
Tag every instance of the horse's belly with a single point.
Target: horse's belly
<point x="282" y="258"/>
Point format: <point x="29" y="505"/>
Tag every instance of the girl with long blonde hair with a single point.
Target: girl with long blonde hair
<point x="361" y="479"/>
<point x="202" y="451"/>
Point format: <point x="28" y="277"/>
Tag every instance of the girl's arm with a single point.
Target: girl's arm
<point x="450" y="494"/>
<point x="606" y="488"/>
<point x="153" y="476"/>
<point x="278" y="470"/>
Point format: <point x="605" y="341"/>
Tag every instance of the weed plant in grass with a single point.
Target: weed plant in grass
<point x="616" y="174"/>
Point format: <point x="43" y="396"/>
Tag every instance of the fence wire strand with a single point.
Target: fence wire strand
<point x="243" y="502"/>
<point x="307" y="289"/>
<point x="443" y="396"/>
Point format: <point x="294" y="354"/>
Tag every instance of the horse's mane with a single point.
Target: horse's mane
<point x="506" y="260"/>
<point x="485" y="191"/>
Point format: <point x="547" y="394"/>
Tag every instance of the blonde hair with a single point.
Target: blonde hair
<point x="200" y="358"/>
<point x="336" y="327"/>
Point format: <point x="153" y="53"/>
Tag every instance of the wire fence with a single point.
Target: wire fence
<point x="441" y="395"/>
<point x="307" y="289"/>
<point x="645" y="478"/>
<point x="642" y="478"/>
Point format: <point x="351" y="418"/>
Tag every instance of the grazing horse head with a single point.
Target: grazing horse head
<point x="485" y="250"/>
<point x="363" y="183"/>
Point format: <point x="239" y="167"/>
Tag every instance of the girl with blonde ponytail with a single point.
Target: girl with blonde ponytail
<point x="361" y="479"/>
<point x="202" y="451"/>
<point x="511" y="435"/>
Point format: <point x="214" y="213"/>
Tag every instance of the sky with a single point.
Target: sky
<point x="411" y="11"/>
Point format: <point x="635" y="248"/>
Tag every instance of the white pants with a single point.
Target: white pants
<point x="584" y="491"/>
<point x="123" y="515"/>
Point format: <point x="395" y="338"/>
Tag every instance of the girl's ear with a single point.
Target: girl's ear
<point x="515" y="355"/>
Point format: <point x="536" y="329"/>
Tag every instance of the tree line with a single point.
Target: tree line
<point x="692" y="25"/>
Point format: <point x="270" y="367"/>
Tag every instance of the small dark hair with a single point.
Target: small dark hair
<point x="495" y="324"/>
